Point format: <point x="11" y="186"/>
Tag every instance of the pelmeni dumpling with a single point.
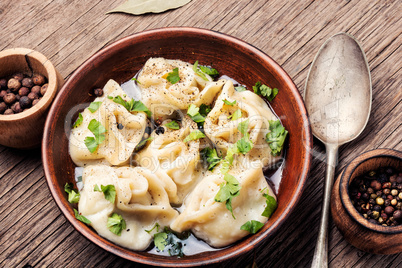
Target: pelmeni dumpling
<point x="140" y="199"/>
<point x="163" y="97"/>
<point x="124" y="131"/>
<point x="221" y="124"/>
<point x="211" y="220"/>
<point x="173" y="160"/>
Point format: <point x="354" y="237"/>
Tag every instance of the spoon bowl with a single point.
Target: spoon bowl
<point x="338" y="99"/>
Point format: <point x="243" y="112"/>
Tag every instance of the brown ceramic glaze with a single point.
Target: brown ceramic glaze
<point x="24" y="130"/>
<point x="230" y="56"/>
<point x="356" y="229"/>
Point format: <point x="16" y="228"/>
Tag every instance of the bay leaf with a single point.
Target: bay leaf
<point x="138" y="7"/>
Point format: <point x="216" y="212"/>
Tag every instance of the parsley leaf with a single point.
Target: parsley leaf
<point x="173" y="77"/>
<point x="252" y="226"/>
<point x="172" y="125"/>
<point x="160" y="240"/>
<point x="209" y="71"/>
<point x="243" y="127"/>
<point x="79" y="120"/>
<point x="194" y="113"/>
<point x="91" y="144"/>
<point x="94" y="106"/>
<point x="132" y="105"/>
<point x="264" y="90"/>
<point x="229" y="103"/>
<point x="155" y="226"/>
<point x="97" y="129"/>
<point x="203" y="70"/>
<point x="271" y="205"/>
<point x="195" y="135"/>
<point x="211" y="157"/>
<point x="170" y="241"/>
<point x="276" y="137"/>
<point x="116" y="224"/>
<point x="240" y="88"/>
<point x="228" y="160"/>
<point x="236" y="115"/>
<point x="109" y="191"/>
<point x="142" y="143"/>
<point x="80" y="217"/>
<point x="73" y="196"/>
<point x="136" y="80"/>
<point x="244" y="145"/>
<point x="228" y="191"/>
<point x="205" y="109"/>
<point x="97" y="189"/>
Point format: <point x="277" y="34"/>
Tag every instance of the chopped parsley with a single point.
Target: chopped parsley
<point x="236" y="115"/>
<point x="173" y="77"/>
<point x="132" y="105"/>
<point x="155" y="226"/>
<point x="116" y="224"/>
<point x="264" y="90"/>
<point x="228" y="191"/>
<point x="194" y="135"/>
<point x="79" y="121"/>
<point x="204" y="110"/>
<point x="172" y="125"/>
<point x="211" y="157"/>
<point x="170" y="241"/>
<point x="81" y="217"/>
<point x="109" y="191"/>
<point x="228" y="102"/>
<point x="73" y="196"/>
<point x="194" y="113"/>
<point x="276" y="138"/>
<point x="94" y="106"/>
<point x="142" y="143"/>
<point x="252" y="226"/>
<point x="240" y="88"/>
<point x="136" y="80"/>
<point x="203" y="70"/>
<point x="98" y="130"/>
<point x="271" y="205"/>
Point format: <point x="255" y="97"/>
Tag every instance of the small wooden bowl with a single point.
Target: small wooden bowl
<point x="230" y="56"/>
<point x="24" y="130"/>
<point x="358" y="231"/>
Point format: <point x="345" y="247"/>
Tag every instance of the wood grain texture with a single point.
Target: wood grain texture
<point x="69" y="31"/>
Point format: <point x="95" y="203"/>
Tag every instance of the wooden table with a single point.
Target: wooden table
<point x="33" y="230"/>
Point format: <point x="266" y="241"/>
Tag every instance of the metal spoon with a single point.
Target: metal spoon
<point x="338" y="100"/>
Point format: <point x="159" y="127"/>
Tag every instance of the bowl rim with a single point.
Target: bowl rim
<point x="231" y="251"/>
<point x="344" y="189"/>
<point x="52" y="82"/>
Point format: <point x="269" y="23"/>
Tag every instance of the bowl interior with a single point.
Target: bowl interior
<point x="367" y="162"/>
<point x="230" y="56"/>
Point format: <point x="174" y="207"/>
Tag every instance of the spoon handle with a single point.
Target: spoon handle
<point x="320" y="259"/>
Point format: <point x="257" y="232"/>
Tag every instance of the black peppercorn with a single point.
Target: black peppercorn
<point x="36" y="89"/>
<point x="9" y="98"/>
<point x="98" y="92"/>
<point x="27" y="82"/>
<point x="33" y="96"/>
<point x="3" y="107"/>
<point x="3" y="83"/>
<point x="43" y="89"/>
<point x="18" y="76"/>
<point x="38" y="79"/>
<point x="8" y="111"/>
<point x="16" y="107"/>
<point x="25" y="102"/>
<point x="23" y="91"/>
<point x="14" y="84"/>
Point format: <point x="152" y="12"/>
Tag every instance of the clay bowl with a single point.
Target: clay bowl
<point x="231" y="56"/>
<point x="24" y="130"/>
<point x="358" y="231"/>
